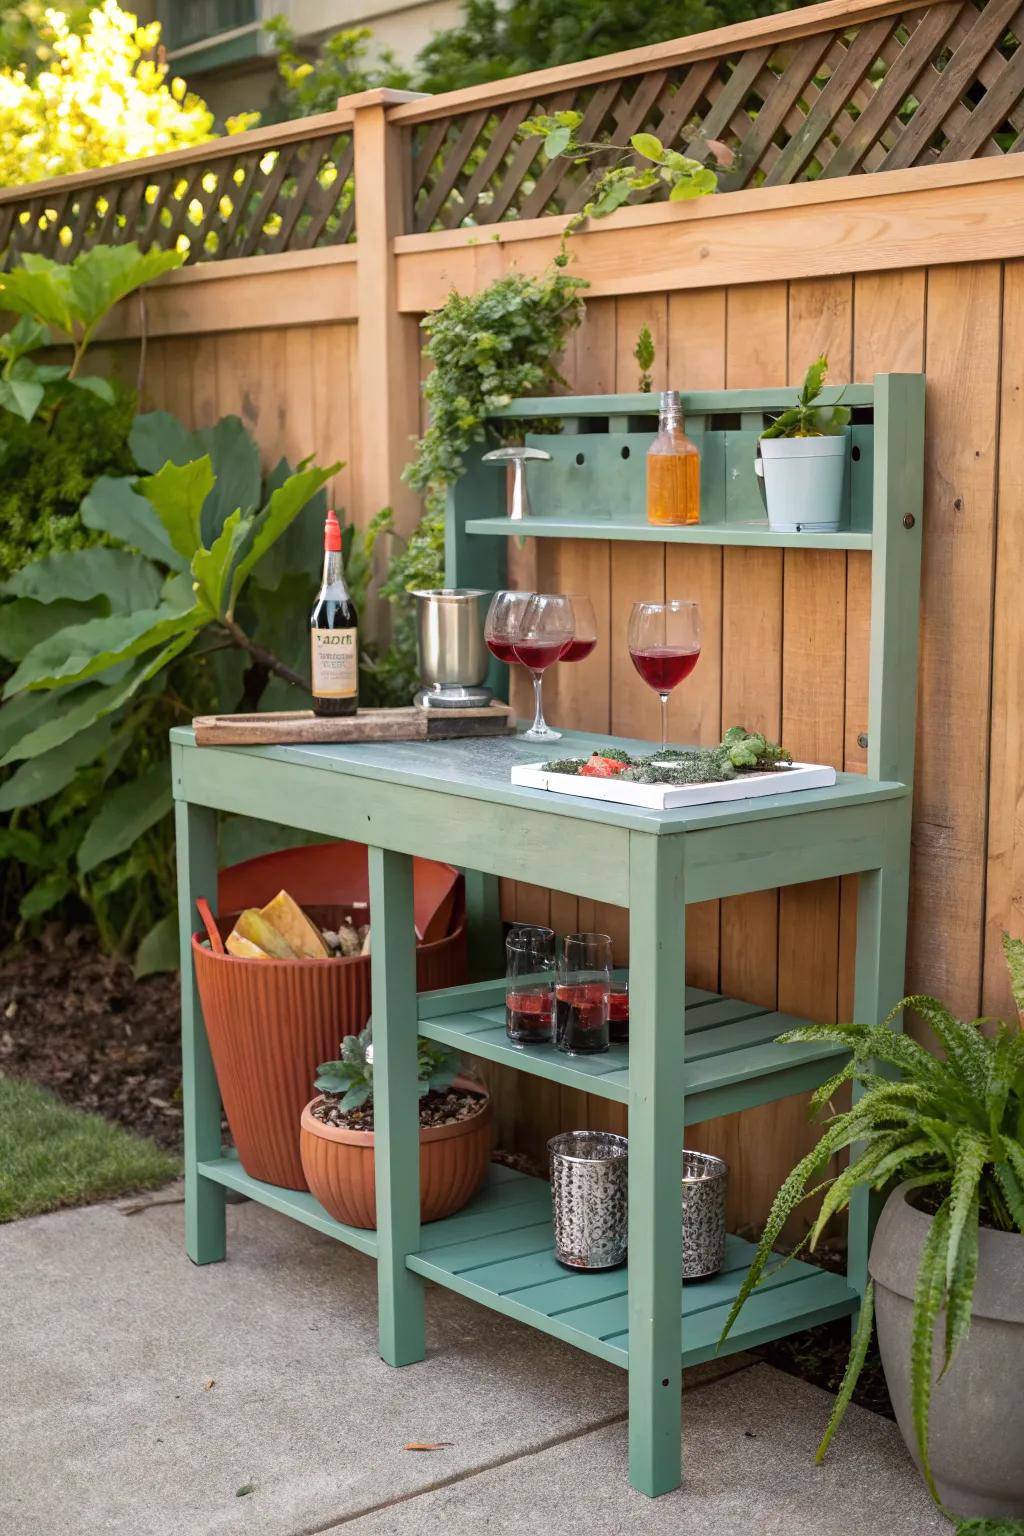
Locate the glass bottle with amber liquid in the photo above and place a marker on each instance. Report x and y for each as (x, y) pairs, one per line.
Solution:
(673, 469)
(334, 634)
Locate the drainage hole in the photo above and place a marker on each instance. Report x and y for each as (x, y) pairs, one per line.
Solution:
(855, 452)
(625, 453)
(579, 458)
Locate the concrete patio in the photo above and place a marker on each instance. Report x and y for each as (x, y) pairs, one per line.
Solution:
(143, 1397)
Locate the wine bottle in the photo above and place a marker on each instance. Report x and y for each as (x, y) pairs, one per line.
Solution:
(334, 634)
(673, 469)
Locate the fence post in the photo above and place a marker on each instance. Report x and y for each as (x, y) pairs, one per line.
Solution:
(388, 342)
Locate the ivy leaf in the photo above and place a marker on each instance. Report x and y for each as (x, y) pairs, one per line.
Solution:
(177, 493)
(648, 145)
(126, 813)
(556, 141)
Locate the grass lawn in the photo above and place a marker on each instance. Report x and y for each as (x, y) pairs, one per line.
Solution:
(52, 1156)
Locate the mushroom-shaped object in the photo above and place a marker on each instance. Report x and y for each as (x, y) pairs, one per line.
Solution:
(518, 458)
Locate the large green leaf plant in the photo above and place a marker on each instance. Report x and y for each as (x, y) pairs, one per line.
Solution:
(950, 1126)
(198, 600)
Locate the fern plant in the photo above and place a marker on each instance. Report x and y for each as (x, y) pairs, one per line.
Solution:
(952, 1128)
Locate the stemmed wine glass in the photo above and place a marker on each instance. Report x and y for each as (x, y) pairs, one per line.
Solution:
(502, 623)
(585, 629)
(545, 629)
(664, 643)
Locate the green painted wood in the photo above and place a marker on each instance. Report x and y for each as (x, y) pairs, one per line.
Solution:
(657, 963)
(483, 919)
(589, 860)
(512, 1270)
(751, 535)
(879, 983)
(479, 491)
(896, 574)
(228, 1172)
(205, 1236)
(862, 477)
(395, 1106)
(720, 401)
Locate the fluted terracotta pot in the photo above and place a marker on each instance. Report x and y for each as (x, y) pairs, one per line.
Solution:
(271, 1023)
(339, 1166)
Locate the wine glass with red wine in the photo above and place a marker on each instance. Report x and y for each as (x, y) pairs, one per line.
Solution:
(664, 643)
(584, 637)
(502, 624)
(545, 629)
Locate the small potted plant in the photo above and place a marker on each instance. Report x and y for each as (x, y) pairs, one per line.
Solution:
(801, 459)
(944, 1134)
(337, 1134)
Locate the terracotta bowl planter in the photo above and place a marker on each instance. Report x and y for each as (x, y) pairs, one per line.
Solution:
(339, 1166)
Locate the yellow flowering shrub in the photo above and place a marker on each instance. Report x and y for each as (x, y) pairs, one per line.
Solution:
(103, 96)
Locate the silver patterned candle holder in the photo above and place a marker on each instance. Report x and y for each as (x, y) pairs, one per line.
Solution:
(589, 1172)
(704, 1184)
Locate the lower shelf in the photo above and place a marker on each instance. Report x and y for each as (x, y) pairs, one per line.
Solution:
(498, 1250)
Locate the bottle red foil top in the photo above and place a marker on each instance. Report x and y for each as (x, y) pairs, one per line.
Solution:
(332, 534)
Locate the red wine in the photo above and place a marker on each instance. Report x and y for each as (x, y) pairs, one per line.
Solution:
(334, 634)
(528, 1017)
(538, 654)
(577, 650)
(581, 1017)
(663, 666)
(618, 1014)
(502, 649)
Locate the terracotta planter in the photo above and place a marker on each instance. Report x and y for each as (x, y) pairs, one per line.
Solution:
(339, 1166)
(271, 1023)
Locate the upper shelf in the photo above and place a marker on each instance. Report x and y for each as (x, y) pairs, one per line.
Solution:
(758, 535)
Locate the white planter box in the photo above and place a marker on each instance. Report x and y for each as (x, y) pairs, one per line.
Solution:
(668, 797)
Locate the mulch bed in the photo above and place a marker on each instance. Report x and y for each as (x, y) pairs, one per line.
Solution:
(77, 1022)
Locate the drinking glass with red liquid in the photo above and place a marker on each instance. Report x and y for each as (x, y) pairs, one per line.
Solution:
(582, 987)
(664, 644)
(545, 630)
(529, 973)
(502, 624)
(584, 638)
(618, 1011)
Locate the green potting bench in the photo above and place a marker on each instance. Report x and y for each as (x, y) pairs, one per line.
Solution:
(691, 1055)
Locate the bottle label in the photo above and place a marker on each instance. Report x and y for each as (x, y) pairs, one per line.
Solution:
(335, 663)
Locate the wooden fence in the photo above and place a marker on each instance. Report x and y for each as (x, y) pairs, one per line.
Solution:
(317, 347)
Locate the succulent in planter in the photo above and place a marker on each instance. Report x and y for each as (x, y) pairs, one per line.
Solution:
(943, 1135)
(337, 1134)
(352, 1077)
(801, 459)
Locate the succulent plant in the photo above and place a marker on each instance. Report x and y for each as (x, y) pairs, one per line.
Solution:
(436, 1069)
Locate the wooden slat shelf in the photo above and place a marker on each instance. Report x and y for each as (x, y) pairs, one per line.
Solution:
(499, 1251)
(296, 1203)
(732, 1058)
(748, 535)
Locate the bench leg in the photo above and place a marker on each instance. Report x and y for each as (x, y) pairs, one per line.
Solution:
(657, 992)
(395, 1106)
(205, 1242)
(879, 983)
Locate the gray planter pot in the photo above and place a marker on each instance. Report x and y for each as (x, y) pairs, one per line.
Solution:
(803, 482)
(976, 1443)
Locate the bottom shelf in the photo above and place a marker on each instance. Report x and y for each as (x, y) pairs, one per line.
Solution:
(498, 1251)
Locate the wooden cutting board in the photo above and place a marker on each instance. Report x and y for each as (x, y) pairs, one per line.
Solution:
(302, 726)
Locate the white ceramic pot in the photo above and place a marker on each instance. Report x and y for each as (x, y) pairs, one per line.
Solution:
(803, 482)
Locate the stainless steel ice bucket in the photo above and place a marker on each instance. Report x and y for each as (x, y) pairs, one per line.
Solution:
(704, 1185)
(450, 636)
(589, 1178)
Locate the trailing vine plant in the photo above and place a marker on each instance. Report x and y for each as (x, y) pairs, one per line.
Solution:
(487, 349)
(636, 167)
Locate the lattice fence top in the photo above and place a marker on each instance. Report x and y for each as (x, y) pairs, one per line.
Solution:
(937, 83)
(219, 201)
